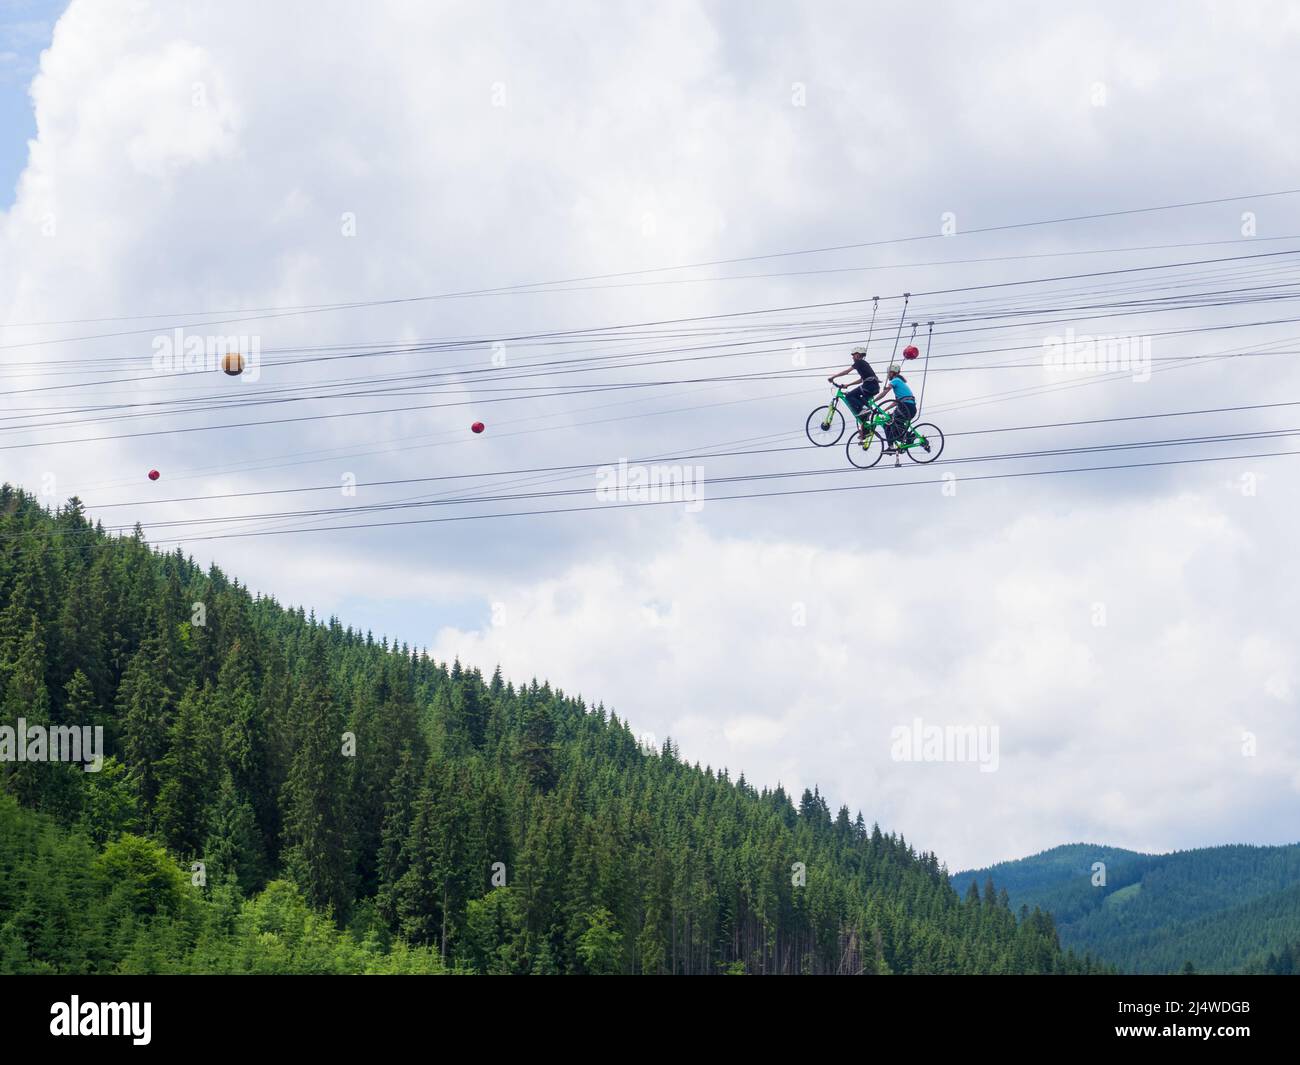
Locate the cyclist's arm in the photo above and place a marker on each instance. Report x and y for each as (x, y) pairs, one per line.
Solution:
(835, 378)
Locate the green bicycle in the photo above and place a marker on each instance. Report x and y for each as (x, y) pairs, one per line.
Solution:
(921, 441)
(825, 427)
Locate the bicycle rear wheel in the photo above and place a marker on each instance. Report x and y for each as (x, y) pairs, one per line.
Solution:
(825, 426)
(864, 453)
(929, 445)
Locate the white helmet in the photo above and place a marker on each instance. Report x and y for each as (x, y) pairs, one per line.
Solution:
(858, 351)
(895, 368)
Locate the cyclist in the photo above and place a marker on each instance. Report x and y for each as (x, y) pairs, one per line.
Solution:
(904, 408)
(868, 387)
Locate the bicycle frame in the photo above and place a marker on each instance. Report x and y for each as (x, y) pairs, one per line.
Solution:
(834, 405)
(873, 419)
(881, 418)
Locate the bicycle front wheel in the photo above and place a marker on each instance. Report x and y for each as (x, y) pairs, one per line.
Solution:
(928, 443)
(825, 426)
(864, 451)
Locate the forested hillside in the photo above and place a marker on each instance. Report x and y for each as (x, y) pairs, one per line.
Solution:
(358, 807)
(1221, 909)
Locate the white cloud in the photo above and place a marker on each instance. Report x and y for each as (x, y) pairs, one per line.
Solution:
(1126, 731)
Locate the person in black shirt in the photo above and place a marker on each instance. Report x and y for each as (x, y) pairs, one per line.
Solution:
(868, 387)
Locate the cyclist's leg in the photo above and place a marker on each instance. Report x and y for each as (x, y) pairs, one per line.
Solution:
(907, 415)
(853, 397)
(895, 427)
(866, 391)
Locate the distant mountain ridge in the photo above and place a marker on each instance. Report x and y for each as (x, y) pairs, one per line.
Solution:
(1223, 909)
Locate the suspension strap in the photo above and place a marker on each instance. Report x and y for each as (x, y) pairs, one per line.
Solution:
(875, 302)
(907, 296)
(926, 369)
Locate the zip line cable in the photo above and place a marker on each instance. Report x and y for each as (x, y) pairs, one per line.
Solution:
(1133, 296)
(587, 333)
(681, 457)
(933, 292)
(757, 495)
(693, 456)
(407, 349)
(577, 390)
(1111, 312)
(382, 507)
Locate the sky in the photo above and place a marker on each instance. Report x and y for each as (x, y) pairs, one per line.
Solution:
(26, 27)
(1126, 632)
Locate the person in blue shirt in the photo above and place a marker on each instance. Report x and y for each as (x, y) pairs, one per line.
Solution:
(868, 386)
(904, 407)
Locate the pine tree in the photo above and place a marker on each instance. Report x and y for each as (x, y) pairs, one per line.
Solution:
(82, 650)
(394, 859)
(233, 847)
(187, 775)
(317, 852)
(145, 706)
(247, 748)
(27, 701)
(536, 750)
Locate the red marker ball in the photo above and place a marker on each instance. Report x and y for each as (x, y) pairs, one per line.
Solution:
(154, 475)
(911, 351)
(477, 427)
